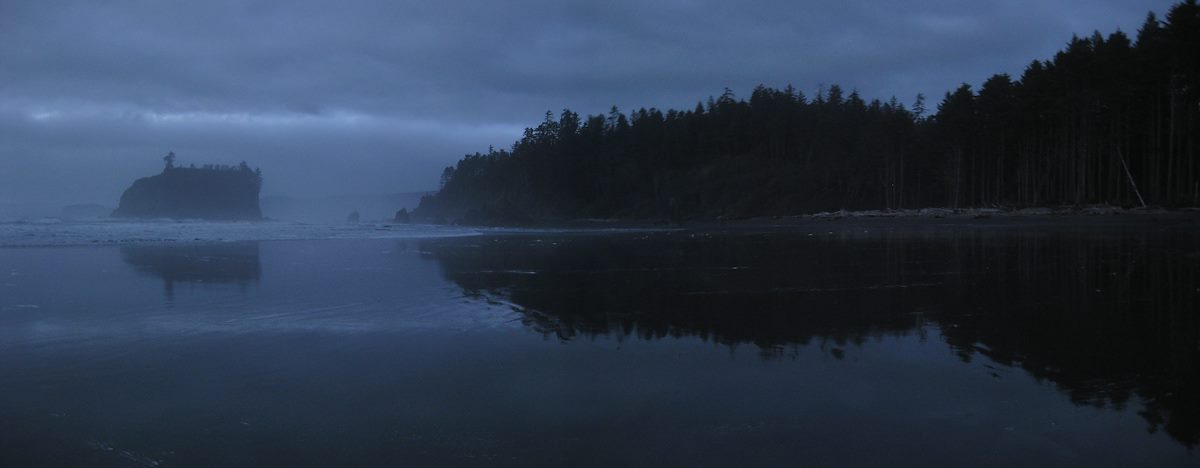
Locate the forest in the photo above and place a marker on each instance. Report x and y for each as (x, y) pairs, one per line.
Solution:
(1107, 120)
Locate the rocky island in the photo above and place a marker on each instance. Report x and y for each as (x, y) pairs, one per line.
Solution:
(216, 192)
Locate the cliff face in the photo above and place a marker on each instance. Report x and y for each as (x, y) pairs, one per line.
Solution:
(224, 193)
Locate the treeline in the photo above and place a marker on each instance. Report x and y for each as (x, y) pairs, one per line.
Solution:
(241, 168)
(1106, 120)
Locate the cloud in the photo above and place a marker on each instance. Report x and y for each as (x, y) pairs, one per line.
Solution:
(377, 96)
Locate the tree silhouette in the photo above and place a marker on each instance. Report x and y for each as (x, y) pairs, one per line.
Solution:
(1105, 120)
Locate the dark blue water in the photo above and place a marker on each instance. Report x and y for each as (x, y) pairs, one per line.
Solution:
(831, 344)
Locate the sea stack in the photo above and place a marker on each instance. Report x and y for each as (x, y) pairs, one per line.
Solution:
(213, 192)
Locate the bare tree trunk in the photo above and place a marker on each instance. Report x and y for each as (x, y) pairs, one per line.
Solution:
(1171, 143)
(1131, 182)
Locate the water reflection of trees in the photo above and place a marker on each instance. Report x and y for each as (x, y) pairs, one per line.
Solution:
(1103, 315)
(232, 263)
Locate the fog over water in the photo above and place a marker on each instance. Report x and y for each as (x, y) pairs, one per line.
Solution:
(375, 97)
(815, 276)
(848, 343)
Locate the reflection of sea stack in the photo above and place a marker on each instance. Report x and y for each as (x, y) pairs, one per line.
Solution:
(207, 192)
(235, 263)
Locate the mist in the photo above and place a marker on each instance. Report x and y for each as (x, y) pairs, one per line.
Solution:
(532, 233)
(375, 98)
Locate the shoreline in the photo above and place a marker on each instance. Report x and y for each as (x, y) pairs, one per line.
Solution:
(119, 232)
(1044, 215)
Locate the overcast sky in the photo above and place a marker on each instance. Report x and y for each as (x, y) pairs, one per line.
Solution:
(362, 97)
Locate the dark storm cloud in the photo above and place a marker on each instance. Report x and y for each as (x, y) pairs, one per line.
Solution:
(354, 96)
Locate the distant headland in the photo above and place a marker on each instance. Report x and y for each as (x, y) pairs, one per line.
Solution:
(216, 192)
